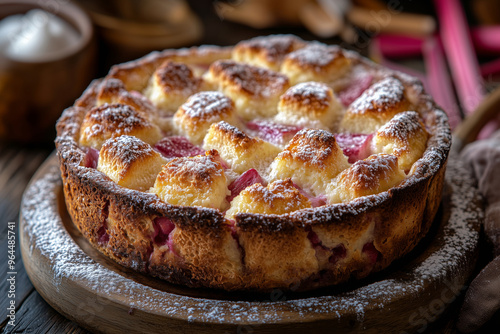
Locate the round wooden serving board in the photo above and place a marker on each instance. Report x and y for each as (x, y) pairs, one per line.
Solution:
(102, 296)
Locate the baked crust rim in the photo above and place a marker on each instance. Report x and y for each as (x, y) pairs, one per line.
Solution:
(423, 186)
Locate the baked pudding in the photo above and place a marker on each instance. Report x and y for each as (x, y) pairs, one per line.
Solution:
(276, 163)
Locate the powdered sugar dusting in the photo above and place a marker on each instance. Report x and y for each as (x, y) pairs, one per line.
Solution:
(177, 146)
(367, 173)
(358, 301)
(46, 234)
(283, 190)
(207, 105)
(358, 84)
(256, 81)
(276, 133)
(355, 146)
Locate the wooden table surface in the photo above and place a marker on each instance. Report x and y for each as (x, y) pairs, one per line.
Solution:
(17, 165)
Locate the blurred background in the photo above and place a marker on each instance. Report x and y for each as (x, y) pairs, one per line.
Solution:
(50, 50)
(433, 40)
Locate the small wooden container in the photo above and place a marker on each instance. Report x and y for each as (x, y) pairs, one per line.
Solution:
(33, 94)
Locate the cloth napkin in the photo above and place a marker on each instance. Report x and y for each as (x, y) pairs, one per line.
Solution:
(482, 299)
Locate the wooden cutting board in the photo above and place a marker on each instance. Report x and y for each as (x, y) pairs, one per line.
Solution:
(104, 297)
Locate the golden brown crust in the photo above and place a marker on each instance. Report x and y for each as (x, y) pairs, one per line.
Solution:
(376, 106)
(130, 162)
(311, 158)
(279, 197)
(196, 181)
(316, 62)
(315, 148)
(113, 120)
(309, 104)
(404, 136)
(373, 175)
(266, 51)
(305, 244)
(253, 89)
(172, 76)
(241, 151)
(297, 260)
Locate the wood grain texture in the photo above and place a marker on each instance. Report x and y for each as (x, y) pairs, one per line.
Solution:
(104, 297)
(467, 131)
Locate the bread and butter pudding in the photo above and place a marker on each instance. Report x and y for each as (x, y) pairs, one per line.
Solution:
(276, 163)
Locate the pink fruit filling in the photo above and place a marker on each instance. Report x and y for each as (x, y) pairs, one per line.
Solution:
(370, 251)
(176, 147)
(315, 200)
(163, 228)
(91, 157)
(355, 146)
(246, 179)
(273, 132)
(103, 236)
(355, 89)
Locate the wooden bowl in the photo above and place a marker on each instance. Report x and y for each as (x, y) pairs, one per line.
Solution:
(104, 297)
(35, 93)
